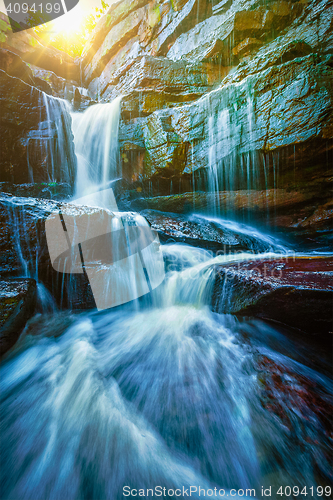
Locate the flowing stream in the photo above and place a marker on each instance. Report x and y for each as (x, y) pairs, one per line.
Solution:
(160, 392)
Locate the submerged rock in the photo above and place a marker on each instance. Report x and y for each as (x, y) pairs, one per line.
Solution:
(17, 304)
(198, 231)
(296, 291)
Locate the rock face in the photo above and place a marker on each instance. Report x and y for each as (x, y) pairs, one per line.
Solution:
(17, 304)
(295, 291)
(33, 242)
(234, 96)
(37, 141)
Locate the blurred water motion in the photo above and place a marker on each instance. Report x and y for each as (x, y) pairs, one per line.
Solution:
(167, 394)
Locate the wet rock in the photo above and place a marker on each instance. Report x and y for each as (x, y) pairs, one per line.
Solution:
(59, 86)
(27, 226)
(198, 231)
(179, 228)
(117, 12)
(37, 143)
(286, 393)
(275, 108)
(23, 248)
(183, 81)
(296, 291)
(307, 214)
(17, 304)
(13, 65)
(148, 28)
(246, 47)
(279, 96)
(220, 34)
(117, 37)
(48, 191)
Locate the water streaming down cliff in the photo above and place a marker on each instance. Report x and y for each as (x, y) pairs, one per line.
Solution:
(233, 161)
(50, 146)
(96, 146)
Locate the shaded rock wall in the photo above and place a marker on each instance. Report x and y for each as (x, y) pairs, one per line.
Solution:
(37, 142)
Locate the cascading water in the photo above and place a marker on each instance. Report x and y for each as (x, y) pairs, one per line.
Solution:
(171, 396)
(96, 146)
(162, 394)
(233, 162)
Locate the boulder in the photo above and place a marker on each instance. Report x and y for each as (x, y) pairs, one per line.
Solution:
(48, 240)
(23, 248)
(17, 304)
(294, 290)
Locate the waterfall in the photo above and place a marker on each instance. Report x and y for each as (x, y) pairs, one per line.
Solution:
(96, 146)
(50, 150)
(234, 164)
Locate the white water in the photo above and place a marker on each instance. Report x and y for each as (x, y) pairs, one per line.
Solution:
(261, 242)
(96, 146)
(169, 395)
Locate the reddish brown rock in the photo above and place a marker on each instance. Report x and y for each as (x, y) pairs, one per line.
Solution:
(246, 47)
(296, 291)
